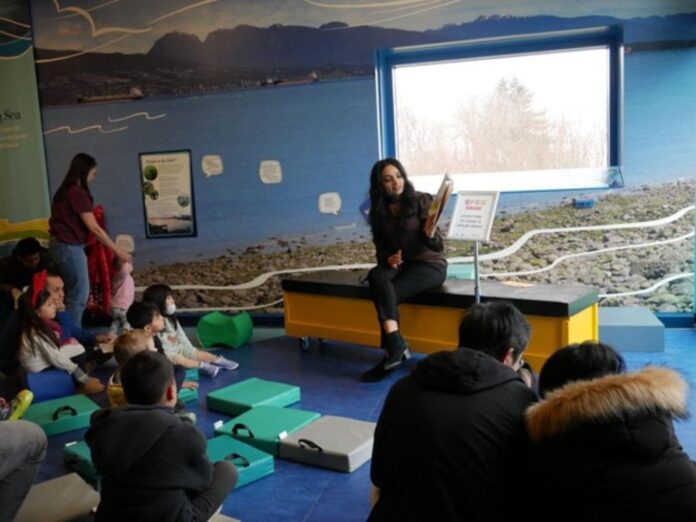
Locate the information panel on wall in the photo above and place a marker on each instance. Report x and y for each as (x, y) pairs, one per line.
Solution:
(167, 189)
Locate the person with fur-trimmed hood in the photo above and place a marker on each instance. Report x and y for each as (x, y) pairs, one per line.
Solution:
(603, 441)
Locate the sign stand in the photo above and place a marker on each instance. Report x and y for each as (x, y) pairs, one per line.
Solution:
(472, 220)
(477, 279)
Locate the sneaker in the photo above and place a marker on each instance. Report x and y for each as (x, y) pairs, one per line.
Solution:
(227, 364)
(208, 369)
(188, 416)
(91, 386)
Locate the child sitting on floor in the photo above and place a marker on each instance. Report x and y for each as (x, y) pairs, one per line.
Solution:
(177, 346)
(145, 319)
(125, 346)
(153, 463)
(39, 345)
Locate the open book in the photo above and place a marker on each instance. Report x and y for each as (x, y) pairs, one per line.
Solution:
(438, 205)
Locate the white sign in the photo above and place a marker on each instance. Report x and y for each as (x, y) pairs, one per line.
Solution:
(212, 165)
(473, 216)
(270, 172)
(330, 203)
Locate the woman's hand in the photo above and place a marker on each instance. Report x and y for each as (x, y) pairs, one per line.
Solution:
(123, 255)
(395, 260)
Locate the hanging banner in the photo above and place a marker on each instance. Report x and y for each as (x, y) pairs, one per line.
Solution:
(24, 195)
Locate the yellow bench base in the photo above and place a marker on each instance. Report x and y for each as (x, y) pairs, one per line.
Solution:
(427, 329)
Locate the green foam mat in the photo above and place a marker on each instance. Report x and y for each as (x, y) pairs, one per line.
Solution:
(78, 457)
(252, 464)
(62, 415)
(264, 426)
(250, 393)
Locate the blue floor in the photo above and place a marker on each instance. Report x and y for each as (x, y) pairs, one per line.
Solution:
(329, 379)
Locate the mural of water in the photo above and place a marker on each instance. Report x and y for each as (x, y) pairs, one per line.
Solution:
(325, 137)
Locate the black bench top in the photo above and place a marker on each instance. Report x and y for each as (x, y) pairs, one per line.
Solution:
(538, 299)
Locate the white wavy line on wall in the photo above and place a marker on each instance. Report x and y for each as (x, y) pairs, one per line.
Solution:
(91, 9)
(80, 53)
(405, 15)
(188, 7)
(651, 289)
(530, 234)
(135, 115)
(394, 3)
(258, 281)
(15, 36)
(93, 26)
(590, 253)
(16, 56)
(91, 49)
(15, 22)
(70, 130)
(231, 308)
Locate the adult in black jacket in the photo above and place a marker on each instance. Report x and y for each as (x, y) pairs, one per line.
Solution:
(153, 463)
(450, 442)
(603, 441)
(408, 261)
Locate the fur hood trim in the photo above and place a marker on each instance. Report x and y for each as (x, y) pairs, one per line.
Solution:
(652, 389)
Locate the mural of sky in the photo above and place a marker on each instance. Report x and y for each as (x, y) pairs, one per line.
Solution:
(133, 26)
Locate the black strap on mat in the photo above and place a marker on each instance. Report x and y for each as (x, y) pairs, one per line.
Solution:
(240, 426)
(64, 409)
(308, 444)
(234, 457)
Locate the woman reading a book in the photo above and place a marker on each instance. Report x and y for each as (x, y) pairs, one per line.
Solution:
(409, 259)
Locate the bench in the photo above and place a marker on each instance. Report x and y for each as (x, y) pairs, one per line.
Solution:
(336, 305)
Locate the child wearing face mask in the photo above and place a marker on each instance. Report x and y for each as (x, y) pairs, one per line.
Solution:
(122, 295)
(176, 345)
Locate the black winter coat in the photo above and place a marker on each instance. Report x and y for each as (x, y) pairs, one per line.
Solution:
(605, 450)
(151, 462)
(450, 443)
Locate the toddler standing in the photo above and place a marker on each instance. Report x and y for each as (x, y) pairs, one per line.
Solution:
(123, 294)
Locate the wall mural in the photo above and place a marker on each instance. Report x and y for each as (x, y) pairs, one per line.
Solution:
(276, 102)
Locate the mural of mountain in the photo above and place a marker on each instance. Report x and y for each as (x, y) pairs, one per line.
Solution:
(247, 56)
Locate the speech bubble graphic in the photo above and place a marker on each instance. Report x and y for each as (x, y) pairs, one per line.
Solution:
(330, 203)
(126, 242)
(270, 172)
(212, 165)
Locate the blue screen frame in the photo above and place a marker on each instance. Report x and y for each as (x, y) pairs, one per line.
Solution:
(610, 36)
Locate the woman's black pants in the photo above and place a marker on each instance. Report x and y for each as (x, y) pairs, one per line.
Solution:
(391, 286)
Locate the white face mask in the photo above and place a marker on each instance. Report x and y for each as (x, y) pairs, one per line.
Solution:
(170, 309)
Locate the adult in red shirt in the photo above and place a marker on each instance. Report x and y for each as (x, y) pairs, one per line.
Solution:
(72, 219)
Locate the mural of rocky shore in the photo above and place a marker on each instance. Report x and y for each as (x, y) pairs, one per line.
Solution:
(613, 260)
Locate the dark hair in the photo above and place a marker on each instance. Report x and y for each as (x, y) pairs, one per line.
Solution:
(145, 377)
(379, 203)
(27, 247)
(30, 324)
(494, 328)
(577, 362)
(157, 294)
(79, 168)
(141, 313)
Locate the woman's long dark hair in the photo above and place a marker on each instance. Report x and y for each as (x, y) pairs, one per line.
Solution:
(80, 166)
(379, 203)
(157, 295)
(30, 324)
